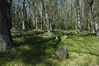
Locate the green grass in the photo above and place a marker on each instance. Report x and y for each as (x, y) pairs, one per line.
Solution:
(38, 49)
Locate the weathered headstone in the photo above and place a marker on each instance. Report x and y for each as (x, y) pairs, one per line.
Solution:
(62, 53)
(56, 38)
(66, 36)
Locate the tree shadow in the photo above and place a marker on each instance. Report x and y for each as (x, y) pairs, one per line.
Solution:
(88, 34)
(37, 50)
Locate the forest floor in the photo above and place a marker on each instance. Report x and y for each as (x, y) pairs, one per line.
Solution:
(36, 48)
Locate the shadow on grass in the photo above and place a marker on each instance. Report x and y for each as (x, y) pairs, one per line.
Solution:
(88, 34)
(33, 50)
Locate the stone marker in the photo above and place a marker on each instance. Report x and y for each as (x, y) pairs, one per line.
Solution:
(66, 36)
(56, 38)
(61, 53)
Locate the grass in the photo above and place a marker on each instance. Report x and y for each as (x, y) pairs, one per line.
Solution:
(38, 49)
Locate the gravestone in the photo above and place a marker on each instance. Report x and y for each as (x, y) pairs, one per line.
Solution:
(62, 53)
(66, 36)
(56, 38)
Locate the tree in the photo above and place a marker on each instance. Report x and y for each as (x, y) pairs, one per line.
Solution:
(5, 24)
(96, 16)
(90, 3)
(25, 16)
(78, 16)
(93, 4)
(86, 15)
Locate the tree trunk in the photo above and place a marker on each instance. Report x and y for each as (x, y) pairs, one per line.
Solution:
(79, 28)
(36, 23)
(5, 34)
(97, 27)
(25, 16)
(96, 16)
(23, 25)
(88, 25)
(96, 23)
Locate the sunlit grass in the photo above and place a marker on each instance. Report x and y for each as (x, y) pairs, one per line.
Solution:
(39, 50)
